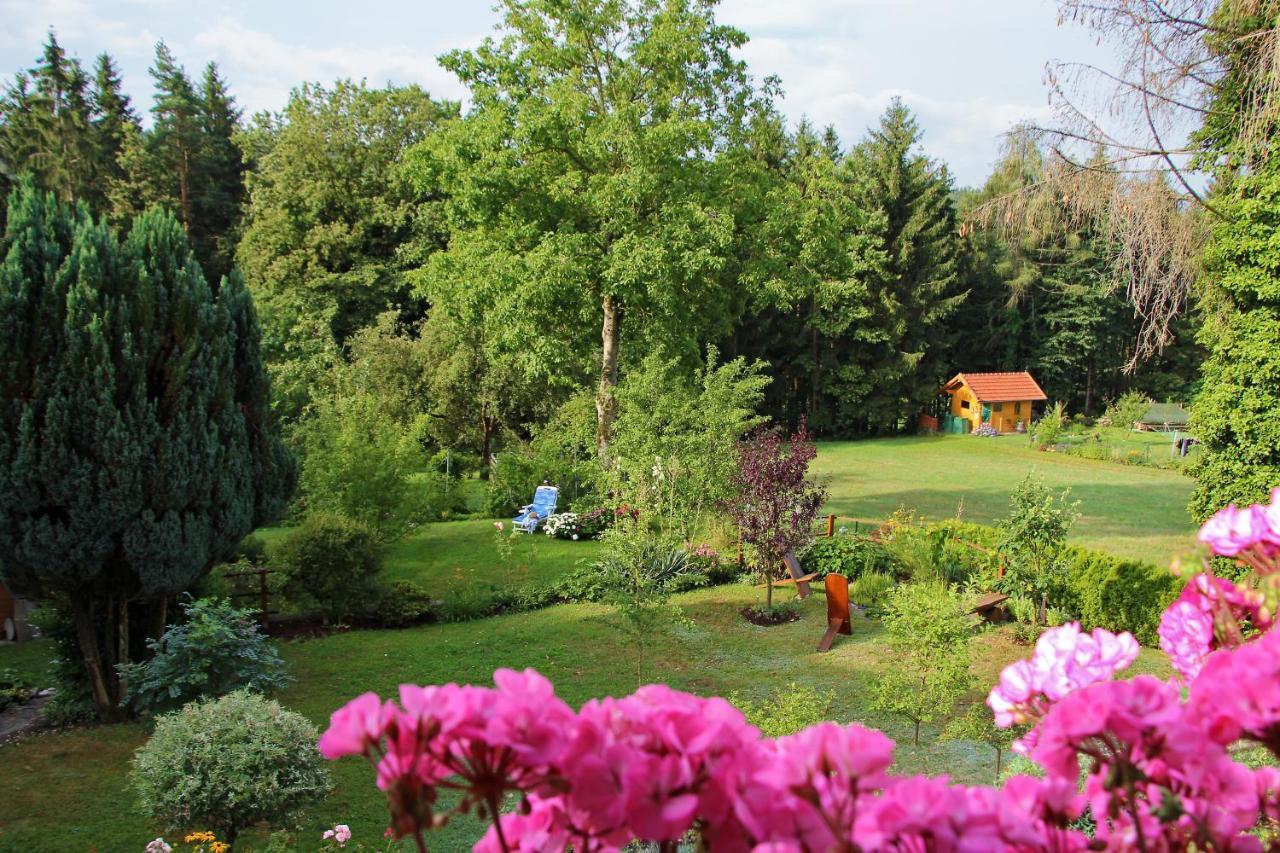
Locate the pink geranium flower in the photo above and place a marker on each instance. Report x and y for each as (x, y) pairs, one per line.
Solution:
(355, 726)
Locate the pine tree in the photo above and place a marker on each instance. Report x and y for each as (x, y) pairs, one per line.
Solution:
(174, 144)
(114, 120)
(219, 176)
(135, 445)
(898, 365)
(46, 118)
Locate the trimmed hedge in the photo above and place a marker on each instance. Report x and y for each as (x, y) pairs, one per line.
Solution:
(1117, 594)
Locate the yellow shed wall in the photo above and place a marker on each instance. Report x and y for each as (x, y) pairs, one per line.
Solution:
(1005, 419)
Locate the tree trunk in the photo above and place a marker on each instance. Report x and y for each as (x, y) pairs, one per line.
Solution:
(184, 193)
(917, 739)
(486, 442)
(159, 618)
(998, 765)
(768, 591)
(606, 399)
(1088, 388)
(122, 644)
(91, 651)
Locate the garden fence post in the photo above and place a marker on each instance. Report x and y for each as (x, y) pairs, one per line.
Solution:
(831, 525)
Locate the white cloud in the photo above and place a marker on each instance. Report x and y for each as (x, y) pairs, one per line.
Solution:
(262, 68)
(969, 70)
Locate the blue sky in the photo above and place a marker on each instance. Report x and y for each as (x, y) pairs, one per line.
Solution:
(968, 69)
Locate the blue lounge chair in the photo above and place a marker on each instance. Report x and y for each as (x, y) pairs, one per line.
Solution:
(531, 515)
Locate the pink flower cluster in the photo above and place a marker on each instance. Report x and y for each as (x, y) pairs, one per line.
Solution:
(1065, 659)
(1212, 612)
(1207, 615)
(1233, 532)
(340, 835)
(660, 763)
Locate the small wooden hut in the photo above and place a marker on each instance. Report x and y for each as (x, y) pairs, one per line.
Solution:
(1003, 400)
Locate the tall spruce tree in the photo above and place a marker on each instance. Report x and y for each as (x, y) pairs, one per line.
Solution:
(175, 141)
(904, 337)
(114, 120)
(136, 445)
(814, 255)
(219, 175)
(46, 118)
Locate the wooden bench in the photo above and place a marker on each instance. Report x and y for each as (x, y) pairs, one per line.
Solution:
(987, 603)
(798, 578)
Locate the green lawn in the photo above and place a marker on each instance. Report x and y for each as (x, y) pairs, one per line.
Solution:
(1130, 511)
(454, 554)
(73, 792)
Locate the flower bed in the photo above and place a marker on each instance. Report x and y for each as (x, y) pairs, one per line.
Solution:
(660, 763)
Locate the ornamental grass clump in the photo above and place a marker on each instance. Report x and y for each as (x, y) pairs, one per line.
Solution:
(228, 764)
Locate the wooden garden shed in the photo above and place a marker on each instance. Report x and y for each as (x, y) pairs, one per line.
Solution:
(1003, 400)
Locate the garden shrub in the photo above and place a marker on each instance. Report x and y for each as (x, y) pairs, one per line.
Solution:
(1118, 594)
(333, 561)
(584, 583)
(675, 435)
(850, 556)
(227, 764)
(71, 702)
(358, 462)
(717, 567)
(871, 592)
(14, 688)
(252, 550)
(787, 711)
(1127, 409)
(947, 551)
(1049, 428)
(214, 650)
(403, 603)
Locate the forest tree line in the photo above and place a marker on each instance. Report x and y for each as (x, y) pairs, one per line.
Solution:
(476, 276)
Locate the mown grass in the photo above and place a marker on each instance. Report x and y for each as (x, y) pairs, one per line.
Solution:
(1127, 510)
(458, 554)
(73, 793)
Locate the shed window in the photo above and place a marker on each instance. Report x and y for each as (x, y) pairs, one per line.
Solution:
(999, 406)
(1017, 408)
(964, 404)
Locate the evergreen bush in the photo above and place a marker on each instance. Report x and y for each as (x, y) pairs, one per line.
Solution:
(214, 650)
(1234, 415)
(229, 763)
(137, 445)
(333, 561)
(1118, 594)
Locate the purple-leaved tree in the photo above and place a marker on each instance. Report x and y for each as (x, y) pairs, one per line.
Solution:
(775, 502)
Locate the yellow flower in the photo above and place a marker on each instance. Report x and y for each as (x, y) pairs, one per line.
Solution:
(219, 847)
(200, 837)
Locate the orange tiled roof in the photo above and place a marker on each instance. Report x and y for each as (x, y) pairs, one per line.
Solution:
(999, 387)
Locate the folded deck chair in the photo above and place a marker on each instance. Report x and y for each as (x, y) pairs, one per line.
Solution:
(531, 515)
